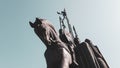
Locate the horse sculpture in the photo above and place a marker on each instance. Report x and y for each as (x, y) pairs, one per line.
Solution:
(65, 50)
(57, 54)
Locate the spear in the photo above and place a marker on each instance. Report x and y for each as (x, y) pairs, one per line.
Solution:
(62, 25)
(64, 14)
(76, 35)
(69, 25)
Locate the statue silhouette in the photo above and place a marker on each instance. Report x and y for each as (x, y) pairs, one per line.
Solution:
(66, 50)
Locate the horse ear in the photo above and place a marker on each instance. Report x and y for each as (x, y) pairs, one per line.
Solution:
(38, 20)
(31, 24)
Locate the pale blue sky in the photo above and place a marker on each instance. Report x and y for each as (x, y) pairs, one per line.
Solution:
(98, 20)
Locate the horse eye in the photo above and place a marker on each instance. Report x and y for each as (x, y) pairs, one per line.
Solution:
(38, 25)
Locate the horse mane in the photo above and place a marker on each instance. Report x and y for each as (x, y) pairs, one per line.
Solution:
(50, 25)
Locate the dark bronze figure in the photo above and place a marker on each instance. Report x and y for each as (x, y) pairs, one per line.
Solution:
(66, 50)
(67, 38)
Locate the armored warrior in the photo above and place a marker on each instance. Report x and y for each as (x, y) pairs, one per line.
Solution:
(67, 37)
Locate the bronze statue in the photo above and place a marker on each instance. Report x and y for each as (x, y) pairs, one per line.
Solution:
(66, 50)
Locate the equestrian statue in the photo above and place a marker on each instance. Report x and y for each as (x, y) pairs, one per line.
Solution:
(65, 50)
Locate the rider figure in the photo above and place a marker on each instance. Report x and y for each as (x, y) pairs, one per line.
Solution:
(66, 37)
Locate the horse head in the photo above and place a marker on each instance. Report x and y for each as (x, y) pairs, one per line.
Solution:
(44, 30)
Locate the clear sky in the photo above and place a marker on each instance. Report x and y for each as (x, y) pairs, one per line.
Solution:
(98, 20)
